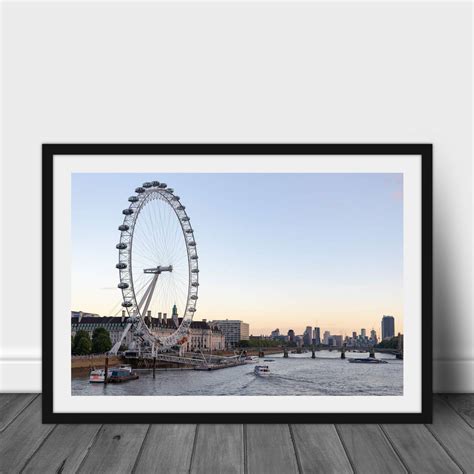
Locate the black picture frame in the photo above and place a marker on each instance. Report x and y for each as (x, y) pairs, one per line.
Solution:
(48, 153)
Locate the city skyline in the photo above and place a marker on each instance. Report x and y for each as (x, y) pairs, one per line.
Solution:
(273, 248)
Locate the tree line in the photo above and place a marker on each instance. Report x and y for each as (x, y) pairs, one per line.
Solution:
(82, 344)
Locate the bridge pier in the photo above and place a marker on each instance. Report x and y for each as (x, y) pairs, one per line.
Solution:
(313, 355)
(285, 353)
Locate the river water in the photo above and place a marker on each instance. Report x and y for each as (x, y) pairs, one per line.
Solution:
(328, 374)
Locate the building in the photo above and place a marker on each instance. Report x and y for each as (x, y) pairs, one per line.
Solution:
(291, 335)
(233, 330)
(334, 340)
(275, 334)
(325, 337)
(363, 333)
(201, 335)
(113, 324)
(308, 336)
(388, 327)
(317, 336)
(373, 337)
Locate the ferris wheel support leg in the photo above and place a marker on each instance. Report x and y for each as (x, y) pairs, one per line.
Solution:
(117, 345)
(150, 291)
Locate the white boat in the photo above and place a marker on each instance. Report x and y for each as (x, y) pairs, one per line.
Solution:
(251, 360)
(261, 370)
(97, 376)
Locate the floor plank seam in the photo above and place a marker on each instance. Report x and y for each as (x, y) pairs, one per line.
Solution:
(444, 448)
(37, 449)
(193, 452)
(394, 449)
(446, 400)
(346, 451)
(140, 450)
(19, 413)
(297, 456)
(244, 436)
(87, 451)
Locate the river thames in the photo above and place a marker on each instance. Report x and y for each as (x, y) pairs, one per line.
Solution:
(328, 374)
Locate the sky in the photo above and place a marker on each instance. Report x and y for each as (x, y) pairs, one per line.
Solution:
(275, 250)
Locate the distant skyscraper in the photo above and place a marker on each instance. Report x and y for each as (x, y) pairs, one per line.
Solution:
(363, 332)
(373, 336)
(308, 336)
(388, 327)
(317, 335)
(354, 335)
(275, 334)
(326, 337)
(174, 315)
(291, 335)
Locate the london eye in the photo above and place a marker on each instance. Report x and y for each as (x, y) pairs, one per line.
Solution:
(157, 265)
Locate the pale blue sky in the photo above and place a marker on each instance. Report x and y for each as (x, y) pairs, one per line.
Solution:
(276, 250)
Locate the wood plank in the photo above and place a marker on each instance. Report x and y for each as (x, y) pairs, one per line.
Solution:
(218, 448)
(11, 405)
(419, 449)
(22, 437)
(369, 450)
(270, 449)
(115, 449)
(453, 433)
(64, 450)
(463, 403)
(319, 449)
(167, 448)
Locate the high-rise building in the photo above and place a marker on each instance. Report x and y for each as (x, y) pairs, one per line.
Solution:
(325, 337)
(388, 327)
(317, 335)
(354, 335)
(234, 331)
(275, 334)
(363, 332)
(291, 335)
(334, 340)
(308, 336)
(373, 336)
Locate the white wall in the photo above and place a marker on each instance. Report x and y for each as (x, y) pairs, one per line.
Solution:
(321, 72)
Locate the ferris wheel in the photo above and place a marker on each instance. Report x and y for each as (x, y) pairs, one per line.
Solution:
(157, 264)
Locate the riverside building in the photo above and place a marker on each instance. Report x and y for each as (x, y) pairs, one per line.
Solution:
(233, 330)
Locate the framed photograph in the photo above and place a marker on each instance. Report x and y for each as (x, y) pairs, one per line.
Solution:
(237, 283)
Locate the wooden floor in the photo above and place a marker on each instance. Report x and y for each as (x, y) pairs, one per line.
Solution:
(446, 446)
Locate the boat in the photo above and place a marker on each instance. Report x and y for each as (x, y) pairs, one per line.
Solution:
(367, 360)
(97, 376)
(251, 360)
(268, 360)
(123, 373)
(261, 370)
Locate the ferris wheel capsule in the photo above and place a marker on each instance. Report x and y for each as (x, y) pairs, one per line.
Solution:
(127, 212)
(123, 227)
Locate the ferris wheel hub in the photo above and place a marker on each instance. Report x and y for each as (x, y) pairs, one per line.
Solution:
(159, 269)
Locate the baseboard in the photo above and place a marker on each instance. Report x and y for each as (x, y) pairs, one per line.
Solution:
(20, 375)
(449, 376)
(453, 376)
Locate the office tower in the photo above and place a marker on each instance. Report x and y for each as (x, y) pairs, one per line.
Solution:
(388, 327)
